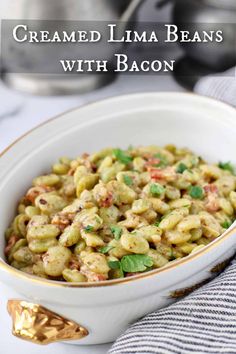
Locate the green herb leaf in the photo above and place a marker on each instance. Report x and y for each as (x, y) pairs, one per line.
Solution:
(172, 257)
(136, 263)
(226, 224)
(163, 161)
(196, 192)
(157, 189)
(157, 223)
(117, 232)
(128, 180)
(105, 249)
(148, 269)
(88, 228)
(114, 264)
(226, 166)
(181, 168)
(122, 156)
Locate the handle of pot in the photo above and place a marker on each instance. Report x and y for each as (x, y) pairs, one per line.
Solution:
(130, 10)
(27, 319)
(127, 15)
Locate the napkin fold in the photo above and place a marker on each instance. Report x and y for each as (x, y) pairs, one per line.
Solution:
(204, 321)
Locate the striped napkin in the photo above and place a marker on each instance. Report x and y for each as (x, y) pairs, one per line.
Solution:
(204, 321)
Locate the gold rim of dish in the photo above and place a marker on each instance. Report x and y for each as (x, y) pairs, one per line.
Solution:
(53, 283)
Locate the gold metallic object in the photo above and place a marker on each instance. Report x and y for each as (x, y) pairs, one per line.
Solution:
(221, 266)
(176, 294)
(36, 324)
(215, 271)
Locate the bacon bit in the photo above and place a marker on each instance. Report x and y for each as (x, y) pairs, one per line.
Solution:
(166, 174)
(147, 155)
(11, 242)
(101, 277)
(211, 188)
(152, 162)
(212, 205)
(108, 201)
(71, 172)
(61, 220)
(91, 275)
(34, 192)
(74, 263)
(156, 173)
(88, 164)
(24, 201)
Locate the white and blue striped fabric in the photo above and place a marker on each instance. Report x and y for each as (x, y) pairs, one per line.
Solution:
(205, 321)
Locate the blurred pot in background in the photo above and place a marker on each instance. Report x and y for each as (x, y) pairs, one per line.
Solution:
(54, 11)
(199, 15)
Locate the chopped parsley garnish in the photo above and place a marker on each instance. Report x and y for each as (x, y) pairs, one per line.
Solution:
(226, 224)
(122, 156)
(88, 228)
(116, 265)
(181, 168)
(136, 263)
(157, 189)
(172, 256)
(128, 180)
(196, 192)
(226, 166)
(117, 231)
(157, 223)
(132, 263)
(105, 249)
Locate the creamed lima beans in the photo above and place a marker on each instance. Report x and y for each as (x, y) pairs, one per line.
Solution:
(116, 213)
